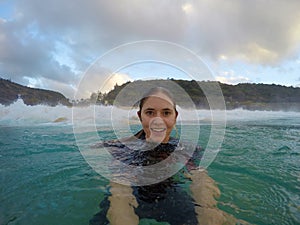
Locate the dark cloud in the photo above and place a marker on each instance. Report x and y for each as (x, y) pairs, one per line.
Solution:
(22, 54)
(258, 31)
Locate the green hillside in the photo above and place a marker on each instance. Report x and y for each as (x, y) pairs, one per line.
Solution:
(10, 92)
(247, 96)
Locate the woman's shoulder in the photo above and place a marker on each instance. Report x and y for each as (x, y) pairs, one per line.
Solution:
(193, 153)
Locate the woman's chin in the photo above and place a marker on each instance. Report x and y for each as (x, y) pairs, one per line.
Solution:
(157, 137)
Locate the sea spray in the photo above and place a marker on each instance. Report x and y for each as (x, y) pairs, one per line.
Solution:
(20, 114)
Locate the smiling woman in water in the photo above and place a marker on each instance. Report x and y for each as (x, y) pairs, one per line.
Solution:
(186, 197)
(158, 115)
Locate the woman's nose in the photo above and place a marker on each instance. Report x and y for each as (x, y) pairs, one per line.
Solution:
(157, 121)
(159, 115)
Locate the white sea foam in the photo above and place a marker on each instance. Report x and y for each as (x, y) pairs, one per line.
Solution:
(19, 114)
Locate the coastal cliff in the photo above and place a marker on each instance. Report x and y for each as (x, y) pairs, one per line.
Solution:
(11, 92)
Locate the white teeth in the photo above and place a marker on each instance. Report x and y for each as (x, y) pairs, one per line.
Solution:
(158, 129)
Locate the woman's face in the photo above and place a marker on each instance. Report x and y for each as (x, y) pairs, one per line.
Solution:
(158, 118)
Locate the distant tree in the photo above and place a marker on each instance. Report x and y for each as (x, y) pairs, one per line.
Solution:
(243, 95)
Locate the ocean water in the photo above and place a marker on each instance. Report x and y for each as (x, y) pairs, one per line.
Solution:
(46, 180)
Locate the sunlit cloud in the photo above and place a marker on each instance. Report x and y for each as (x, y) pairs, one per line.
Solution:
(187, 8)
(229, 77)
(259, 54)
(223, 57)
(101, 81)
(115, 79)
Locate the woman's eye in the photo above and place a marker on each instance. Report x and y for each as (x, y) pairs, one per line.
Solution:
(149, 113)
(167, 113)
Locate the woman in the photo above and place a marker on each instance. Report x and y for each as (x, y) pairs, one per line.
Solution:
(158, 115)
(184, 198)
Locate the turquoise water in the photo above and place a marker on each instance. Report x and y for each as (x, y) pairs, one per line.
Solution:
(258, 171)
(45, 179)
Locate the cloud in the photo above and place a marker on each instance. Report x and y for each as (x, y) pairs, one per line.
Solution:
(229, 77)
(55, 41)
(66, 89)
(23, 54)
(257, 31)
(99, 79)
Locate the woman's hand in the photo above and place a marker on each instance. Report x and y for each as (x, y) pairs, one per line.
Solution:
(122, 204)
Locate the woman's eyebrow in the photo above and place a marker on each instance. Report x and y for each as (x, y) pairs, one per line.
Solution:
(149, 109)
(164, 109)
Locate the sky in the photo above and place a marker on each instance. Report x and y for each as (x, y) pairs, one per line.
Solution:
(53, 44)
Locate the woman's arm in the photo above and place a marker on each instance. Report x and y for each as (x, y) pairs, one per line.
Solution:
(122, 204)
(204, 191)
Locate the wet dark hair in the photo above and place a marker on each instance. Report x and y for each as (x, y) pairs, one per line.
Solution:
(154, 91)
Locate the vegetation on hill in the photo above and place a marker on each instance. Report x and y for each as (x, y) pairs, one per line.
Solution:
(10, 92)
(186, 93)
(246, 95)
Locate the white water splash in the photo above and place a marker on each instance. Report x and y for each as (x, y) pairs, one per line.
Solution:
(19, 114)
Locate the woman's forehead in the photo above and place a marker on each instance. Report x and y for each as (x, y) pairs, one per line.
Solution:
(159, 100)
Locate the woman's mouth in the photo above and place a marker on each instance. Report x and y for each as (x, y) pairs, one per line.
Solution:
(158, 129)
(157, 134)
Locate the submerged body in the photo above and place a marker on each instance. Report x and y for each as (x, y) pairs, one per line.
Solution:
(187, 197)
(166, 201)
